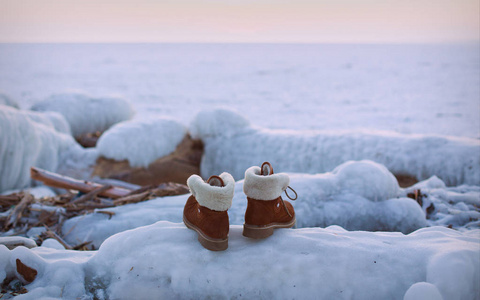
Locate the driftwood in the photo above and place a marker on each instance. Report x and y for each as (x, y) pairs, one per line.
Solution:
(64, 182)
(52, 235)
(16, 213)
(91, 194)
(21, 211)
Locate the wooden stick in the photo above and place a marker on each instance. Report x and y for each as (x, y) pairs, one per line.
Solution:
(17, 212)
(131, 199)
(51, 234)
(64, 182)
(91, 194)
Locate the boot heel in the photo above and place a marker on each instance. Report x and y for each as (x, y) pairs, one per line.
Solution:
(213, 245)
(255, 232)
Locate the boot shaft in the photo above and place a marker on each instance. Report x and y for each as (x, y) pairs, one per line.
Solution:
(263, 213)
(214, 224)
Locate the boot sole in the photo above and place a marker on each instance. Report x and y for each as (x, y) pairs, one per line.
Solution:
(261, 232)
(207, 242)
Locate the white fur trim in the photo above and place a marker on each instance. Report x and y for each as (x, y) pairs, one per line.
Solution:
(213, 197)
(261, 187)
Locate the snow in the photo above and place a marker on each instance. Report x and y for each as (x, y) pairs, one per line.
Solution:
(454, 160)
(87, 114)
(6, 100)
(141, 142)
(424, 291)
(218, 122)
(5, 268)
(51, 119)
(454, 206)
(165, 260)
(324, 200)
(370, 180)
(24, 142)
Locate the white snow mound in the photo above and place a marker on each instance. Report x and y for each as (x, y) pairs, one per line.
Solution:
(423, 291)
(141, 141)
(165, 261)
(368, 179)
(454, 160)
(218, 122)
(87, 114)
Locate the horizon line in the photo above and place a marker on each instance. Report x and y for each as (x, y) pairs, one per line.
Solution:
(470, 42)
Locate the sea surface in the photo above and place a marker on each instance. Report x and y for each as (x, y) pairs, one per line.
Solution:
(412, 89)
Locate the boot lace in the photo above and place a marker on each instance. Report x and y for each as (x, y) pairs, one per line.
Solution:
(288, 196)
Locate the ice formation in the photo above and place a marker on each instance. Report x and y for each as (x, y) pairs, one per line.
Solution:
(27, 140)
(165, 260)
(51, 119)
(454, 160)
(141, 141)
(87, 114)
(6, 100)
(324, 199)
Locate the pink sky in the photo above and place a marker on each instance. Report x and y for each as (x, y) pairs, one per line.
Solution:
(306, 21)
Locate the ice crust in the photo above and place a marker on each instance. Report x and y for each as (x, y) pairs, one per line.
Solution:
(7, 101)
(454, 160)
(165, 260)
(30, 139)
(324, 199)
(87, 114)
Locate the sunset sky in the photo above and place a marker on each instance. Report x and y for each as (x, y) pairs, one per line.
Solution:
(304, 21)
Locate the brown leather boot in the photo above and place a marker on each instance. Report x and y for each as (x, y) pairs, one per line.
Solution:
(266, 210)
(206, 209)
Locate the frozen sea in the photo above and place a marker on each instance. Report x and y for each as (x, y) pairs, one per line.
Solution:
(426, 89)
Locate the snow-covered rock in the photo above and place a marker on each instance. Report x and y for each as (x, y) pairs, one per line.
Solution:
(323, 200)
(141, 141)
(165, 260)
(454, 160)
(87, 114)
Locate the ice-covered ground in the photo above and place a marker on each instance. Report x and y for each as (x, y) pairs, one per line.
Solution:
(164, 260)
(411, 108)
(356, 195)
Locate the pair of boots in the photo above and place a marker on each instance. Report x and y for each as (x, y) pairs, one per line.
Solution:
(206, 209)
